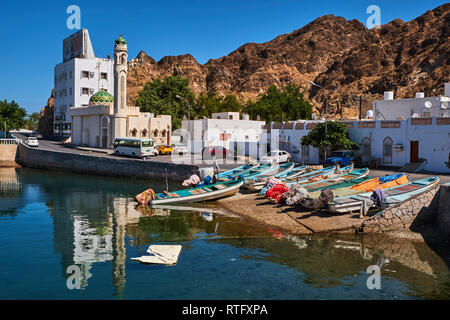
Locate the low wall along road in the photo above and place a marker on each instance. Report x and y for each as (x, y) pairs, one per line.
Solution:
(99, 165)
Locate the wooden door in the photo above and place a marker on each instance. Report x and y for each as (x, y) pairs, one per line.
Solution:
(414, 156)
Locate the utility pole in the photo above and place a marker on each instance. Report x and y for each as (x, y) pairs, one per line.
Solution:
(326, 113)
(360, 107)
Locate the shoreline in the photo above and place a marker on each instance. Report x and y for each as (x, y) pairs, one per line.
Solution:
(291, 220)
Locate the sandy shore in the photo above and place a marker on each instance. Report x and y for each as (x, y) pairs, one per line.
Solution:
(298, 222)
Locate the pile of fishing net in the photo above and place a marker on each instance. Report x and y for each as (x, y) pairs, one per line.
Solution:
(299, 196)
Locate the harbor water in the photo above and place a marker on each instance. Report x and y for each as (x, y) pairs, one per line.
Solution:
(68, 236)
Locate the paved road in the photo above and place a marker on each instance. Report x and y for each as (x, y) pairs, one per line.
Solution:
(59, 146)
(223, 164)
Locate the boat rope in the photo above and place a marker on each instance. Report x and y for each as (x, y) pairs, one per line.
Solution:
(296, 220)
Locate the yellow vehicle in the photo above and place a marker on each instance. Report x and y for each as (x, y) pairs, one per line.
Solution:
(164, 149)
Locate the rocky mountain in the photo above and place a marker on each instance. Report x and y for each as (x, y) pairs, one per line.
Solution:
(45, 124)
(345, 57)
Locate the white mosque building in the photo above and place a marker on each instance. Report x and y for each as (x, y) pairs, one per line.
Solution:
(108, 117)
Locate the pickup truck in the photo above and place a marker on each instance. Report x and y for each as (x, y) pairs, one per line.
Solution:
(342, 157)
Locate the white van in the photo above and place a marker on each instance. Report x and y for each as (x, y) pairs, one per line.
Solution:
(135, 147)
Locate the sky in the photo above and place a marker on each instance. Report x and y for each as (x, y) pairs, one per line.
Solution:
(33, 31)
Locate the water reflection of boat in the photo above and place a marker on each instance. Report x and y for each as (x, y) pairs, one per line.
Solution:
(203, 209)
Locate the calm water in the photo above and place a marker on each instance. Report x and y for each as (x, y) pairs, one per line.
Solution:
(51, 222)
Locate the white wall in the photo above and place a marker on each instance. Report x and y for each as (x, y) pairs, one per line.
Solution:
(73, 82)
(404, 108)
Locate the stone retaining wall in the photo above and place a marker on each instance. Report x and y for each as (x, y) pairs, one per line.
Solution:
(443, 216)
(420, 209)
(8, 155)
(100, 165)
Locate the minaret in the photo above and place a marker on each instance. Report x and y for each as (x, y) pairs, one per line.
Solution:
(120, 87)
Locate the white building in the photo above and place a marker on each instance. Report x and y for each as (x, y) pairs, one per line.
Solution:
(394, 143)
(420, 106)
(77, 78)
(224, 130)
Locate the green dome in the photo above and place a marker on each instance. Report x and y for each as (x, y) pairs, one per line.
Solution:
(101, 97)
(121, 40)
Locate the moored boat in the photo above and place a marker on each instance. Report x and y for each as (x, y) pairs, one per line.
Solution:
(199, 194)
(340, 178)
(256, 182)
(240, 174)
(393, 195)
(365, 184)
(238, 170)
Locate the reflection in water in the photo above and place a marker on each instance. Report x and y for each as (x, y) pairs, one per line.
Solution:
(97, 223)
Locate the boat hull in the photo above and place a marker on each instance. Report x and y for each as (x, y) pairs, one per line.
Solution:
(356, 205)
(213, 195)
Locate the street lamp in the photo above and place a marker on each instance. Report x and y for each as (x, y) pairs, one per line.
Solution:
(189, 106)
(326, 112)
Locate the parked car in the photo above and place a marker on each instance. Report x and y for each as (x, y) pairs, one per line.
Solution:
(37, 135)
(215, 152)
(341, 157)
(32, 142)
(276, 156)
(180, 149)
(164, 149)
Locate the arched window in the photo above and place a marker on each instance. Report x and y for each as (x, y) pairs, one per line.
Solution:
(155, 133)
(134, 133)
(123, 59)
(163, 133)
(144, 133)
(387, 150)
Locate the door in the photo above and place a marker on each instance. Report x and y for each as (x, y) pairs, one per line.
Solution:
(414, 152)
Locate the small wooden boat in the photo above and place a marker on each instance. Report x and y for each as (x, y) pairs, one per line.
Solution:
(244, 173)
(302, 177)
(199, 194)
(256, 184)
(365, 184)
(325, 175)
(261, 178)
(384, 182)
(237, 171)
(393, 195)
(343, 177)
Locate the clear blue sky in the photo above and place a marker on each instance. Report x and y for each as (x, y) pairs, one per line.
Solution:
(32, 31)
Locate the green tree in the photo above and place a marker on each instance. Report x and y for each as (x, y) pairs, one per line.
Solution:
(281, 104)
(209, 103)
(31, 122)
(336, 139)
(11, 114)
(160, 97)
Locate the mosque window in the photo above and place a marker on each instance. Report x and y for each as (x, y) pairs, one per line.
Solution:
(104, 76)
(84, 91)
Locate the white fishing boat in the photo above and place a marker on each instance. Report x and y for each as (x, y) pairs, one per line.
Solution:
(393, 195)
(199, 194)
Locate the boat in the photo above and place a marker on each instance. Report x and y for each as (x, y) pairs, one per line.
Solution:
(343, 177)
(393, 195)
(198, 194)
(256, 184)
(262, 177)
(238, 170)
(364, 184)
(240, 174)
(384, 182)
(321, 176)
(302, 177)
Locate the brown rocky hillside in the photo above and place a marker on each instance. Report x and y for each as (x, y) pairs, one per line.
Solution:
(343, 56)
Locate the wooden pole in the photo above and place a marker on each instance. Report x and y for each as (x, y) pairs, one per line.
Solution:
(167, 182)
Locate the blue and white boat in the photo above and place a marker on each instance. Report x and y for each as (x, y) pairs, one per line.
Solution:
(393, 195)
